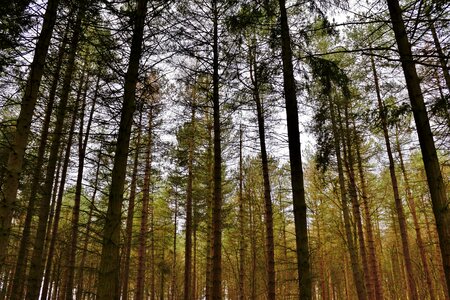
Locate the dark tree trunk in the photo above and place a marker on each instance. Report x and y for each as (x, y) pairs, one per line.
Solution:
(265, 171)
(53, 234)
(190, 179)
(435, 180)
(19, 276)
(130, 214)
(80, 287)
(108, 287)
(82, 146)
(242, 245)
(37, 261)
(173, 288)
(412, 208)
(8, 196)
(140, 280)
(209, 229)
(298, 188)
(216, 288)
(412, 290)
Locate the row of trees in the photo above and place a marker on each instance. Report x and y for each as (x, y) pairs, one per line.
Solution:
(151, 149)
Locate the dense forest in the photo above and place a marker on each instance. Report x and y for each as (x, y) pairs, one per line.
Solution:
(230, 149)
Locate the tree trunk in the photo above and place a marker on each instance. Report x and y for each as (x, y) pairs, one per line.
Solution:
(373, 261)
(37, 261)
(437, 45)
(140, 280)
(298, 189)
(55, 225)
(8, 197)
(173, 288)
(435, 180)
(412, 208)
(20, 276)
(350, 164)
(80, 287)
(108, 287)
(130, 214)
(82, 146)
(412, 290)
(216, 276)
(265, 171)
(242, 244)
(356, 269)
(190, 179)
(209, 228)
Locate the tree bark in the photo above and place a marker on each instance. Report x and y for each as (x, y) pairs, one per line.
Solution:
(108, 287)
(298, 189)
(8, 196)
(435, 180)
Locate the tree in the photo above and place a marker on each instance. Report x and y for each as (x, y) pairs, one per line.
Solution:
(298, 189)
(435, 180)
(16, 156)
(108, 281)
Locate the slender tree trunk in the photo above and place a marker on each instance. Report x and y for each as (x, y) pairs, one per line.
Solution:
(435, 180)
(190, 179)
(216, 276)
(194, 267)
(34, 278)
(242, 244)
(412, 290)
(356, 269)
(57, 216)
(442, 56)
(53, 234)
(298, 189)
(8, 196)
(152, 250)
(80, 288)
(412, 208)
(265, 171)
(19, 276)
(173, 293)
(209, 229)
(253, 249)
(350, 164)
(373, 261)
(130, 214)
(108, 287)
(140, 280)
(82, 146)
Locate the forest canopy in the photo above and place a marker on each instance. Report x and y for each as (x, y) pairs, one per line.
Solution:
(224, 149)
